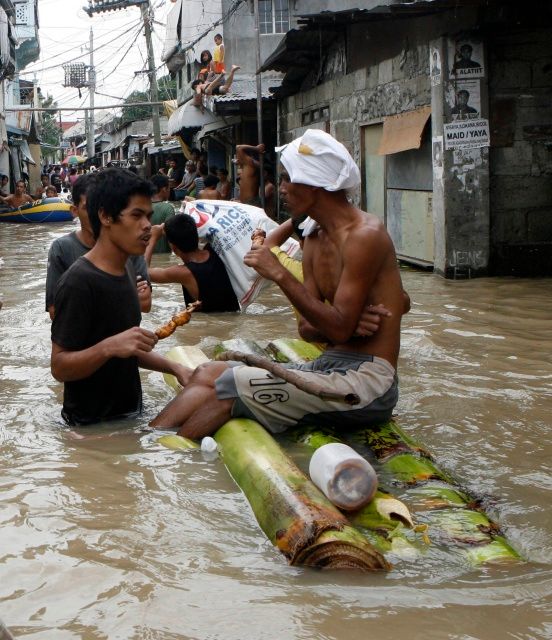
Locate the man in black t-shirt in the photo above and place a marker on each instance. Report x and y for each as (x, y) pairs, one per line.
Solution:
(56, 180)
(66, 249)
(175, 175)
(97, 342)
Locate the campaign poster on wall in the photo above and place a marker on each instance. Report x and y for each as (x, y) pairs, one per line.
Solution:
(466, 59)
(464, 99)
(435, 66)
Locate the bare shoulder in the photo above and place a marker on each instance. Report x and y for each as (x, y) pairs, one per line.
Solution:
(367, 228)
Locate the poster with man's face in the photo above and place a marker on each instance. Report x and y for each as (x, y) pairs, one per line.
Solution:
(464, 99)
(466, 59)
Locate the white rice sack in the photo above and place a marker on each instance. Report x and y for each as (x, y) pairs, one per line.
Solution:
(228, 226)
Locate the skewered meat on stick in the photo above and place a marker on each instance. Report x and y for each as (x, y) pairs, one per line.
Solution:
(178, 320)
(258, 237)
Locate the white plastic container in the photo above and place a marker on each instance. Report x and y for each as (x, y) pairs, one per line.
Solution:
(209, 448)
(343, 476)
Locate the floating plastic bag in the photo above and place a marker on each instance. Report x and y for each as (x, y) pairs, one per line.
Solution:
(228, 226)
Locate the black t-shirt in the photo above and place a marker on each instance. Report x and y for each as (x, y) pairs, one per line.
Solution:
(177, 175)
(215, 291)
(56, 181)
(92, 305)
(66, 250)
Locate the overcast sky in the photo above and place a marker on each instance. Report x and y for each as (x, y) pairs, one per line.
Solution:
(119, 44)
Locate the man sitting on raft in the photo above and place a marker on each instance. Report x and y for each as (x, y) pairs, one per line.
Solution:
(349, 261)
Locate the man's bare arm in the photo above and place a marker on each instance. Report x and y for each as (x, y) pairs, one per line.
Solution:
(156, 362)
(337, 322)
(157, 231)
(279, 235)
(245, 158)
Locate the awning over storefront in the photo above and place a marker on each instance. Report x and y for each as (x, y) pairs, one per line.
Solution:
(84, 143)
(403, 131)
(219, 126)
(26, 152)
(189, 117)
(167, 146)
(118, 140)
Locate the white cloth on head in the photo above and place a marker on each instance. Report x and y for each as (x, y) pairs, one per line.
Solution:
(319, 160)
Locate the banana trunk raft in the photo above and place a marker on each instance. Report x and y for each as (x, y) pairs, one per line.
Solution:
(446, 514)
(294, 515)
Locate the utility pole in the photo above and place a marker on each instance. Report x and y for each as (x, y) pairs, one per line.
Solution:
(90, 136)
(154, 94)
(101, 6)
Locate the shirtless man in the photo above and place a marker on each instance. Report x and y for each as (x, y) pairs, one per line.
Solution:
(209, 192)
(18, 198)
(349, 261)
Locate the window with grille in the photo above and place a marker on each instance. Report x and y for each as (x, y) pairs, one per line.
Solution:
(273, 16)
(22, 13)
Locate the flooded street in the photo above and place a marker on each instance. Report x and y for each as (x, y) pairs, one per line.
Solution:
(116, 537)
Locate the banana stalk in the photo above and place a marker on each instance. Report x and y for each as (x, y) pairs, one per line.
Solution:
(297, 518)
(452, 516)
(292, 350)
(384, 520)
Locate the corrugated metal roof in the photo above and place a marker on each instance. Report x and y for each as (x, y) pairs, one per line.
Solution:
(243, 90)
(384, 10)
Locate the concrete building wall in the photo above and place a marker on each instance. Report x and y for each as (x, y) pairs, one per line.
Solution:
(491, 205)
(521, 153)
(240, 41)
(387, 72)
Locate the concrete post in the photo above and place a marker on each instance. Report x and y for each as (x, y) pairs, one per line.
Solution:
(460, 172)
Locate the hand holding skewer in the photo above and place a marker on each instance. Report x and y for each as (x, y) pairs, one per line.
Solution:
(258, 237)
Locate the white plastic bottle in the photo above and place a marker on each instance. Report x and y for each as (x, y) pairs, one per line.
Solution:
(343, 476)
(209, 448)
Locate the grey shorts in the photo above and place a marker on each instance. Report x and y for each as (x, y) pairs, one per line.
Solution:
(277, 404)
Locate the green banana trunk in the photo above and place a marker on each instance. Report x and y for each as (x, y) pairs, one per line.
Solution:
(294, 515)
(292, 350)
(452, 516)
(384, 520)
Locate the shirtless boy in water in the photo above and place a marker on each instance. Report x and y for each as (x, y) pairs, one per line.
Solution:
(348, 260)
(19, 198)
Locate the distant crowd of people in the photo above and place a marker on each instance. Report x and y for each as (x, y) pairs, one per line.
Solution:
(199, 180)
(55, 180)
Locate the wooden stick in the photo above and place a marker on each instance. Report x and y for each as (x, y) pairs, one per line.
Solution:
(289, 375)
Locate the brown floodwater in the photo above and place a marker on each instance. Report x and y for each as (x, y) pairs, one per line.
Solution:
(113, 536)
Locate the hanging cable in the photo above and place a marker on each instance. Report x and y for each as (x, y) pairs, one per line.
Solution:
(102, 46)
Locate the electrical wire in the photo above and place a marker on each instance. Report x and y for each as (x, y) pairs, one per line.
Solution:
(116, 67)
(86, 53)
